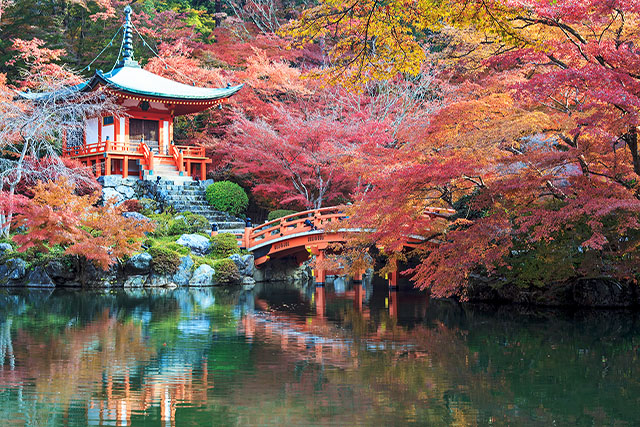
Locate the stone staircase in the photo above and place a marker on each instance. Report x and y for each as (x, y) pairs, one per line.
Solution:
(188, 195)
(167, 172)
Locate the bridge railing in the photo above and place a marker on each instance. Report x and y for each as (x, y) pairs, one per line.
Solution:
(300, 222)
(306, 222)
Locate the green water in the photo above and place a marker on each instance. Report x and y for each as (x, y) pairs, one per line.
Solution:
(286, 355)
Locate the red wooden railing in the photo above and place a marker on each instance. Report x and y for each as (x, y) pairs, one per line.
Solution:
(297, 223)
(100, 148)
(190, 151)
(178, 157)
(147, 155)
(292, 224)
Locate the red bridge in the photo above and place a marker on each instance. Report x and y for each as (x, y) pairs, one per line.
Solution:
(309, 233)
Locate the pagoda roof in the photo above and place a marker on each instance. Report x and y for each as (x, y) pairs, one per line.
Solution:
(132, 80)
(137, 81)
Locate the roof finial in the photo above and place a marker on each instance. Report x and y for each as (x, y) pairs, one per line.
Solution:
(127, 55)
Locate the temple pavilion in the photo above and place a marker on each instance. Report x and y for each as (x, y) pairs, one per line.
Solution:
(140, 143)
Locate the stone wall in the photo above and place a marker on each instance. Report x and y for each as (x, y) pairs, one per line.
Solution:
(137, 272)
(121, 189)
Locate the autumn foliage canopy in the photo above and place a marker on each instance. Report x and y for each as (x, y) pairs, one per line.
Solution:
(521, 115)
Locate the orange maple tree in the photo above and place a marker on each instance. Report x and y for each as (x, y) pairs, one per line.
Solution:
(57, 216)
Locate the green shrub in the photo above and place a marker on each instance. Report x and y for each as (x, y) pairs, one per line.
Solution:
(163, 222)
(179, 249)
(197, 223)
(228, 197)
(223, 245)
(188, 223)
(165, 261)
(279, 214)
(148, 206)
(226, 271)
(177, 227)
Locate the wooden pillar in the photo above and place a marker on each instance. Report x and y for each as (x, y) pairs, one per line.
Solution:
(116, 129)
(320, 273)
(98, 168)
(125, 167)
(203, 171)
(393, 279)
(107, 166)
(393, 302)
(392, 276)
(359, 296)
(189, 168)
(320, 301)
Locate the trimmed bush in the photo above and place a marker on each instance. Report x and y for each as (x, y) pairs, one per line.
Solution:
(279, 214)
(188, 223)
(164, 261)
(132, 205)
(163, 223)
(226, 271)
(228, 197)
(178, 227)
(223, 245)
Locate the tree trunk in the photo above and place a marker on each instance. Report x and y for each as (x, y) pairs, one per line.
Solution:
(218, 4)
(631, 139)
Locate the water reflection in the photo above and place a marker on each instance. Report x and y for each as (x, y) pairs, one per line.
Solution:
(347, 353)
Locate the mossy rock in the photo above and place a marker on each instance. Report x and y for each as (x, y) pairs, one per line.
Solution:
(226, 272)
(165, 261)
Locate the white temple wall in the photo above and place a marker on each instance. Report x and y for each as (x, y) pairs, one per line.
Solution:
(107, 131)
(165, 136)
(91, 130)
(122, 129)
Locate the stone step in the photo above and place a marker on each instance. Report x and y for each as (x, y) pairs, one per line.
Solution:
(230, 225)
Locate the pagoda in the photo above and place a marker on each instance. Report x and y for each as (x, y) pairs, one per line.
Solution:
(139, 141)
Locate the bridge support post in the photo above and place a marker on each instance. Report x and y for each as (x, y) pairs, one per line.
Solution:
(320, 301)
(320, 274)
(358, 287)
(393, 302)
(392, 276)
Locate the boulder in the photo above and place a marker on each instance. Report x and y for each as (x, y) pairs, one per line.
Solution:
(126, 191)
(38, 278)
(159, 280)
(139, 264)
(4, 248)
(57, 271)
(135, 281)
(203, 276)
(135, 215)
(245, 264)
(110, 180)
(183, 275)
(111, 194)
(603, 293)
(198, 244)
(13, 269)
(95, 277)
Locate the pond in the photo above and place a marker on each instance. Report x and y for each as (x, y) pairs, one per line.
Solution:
(295, 355)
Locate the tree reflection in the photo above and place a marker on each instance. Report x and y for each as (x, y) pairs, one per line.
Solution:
(210, 356)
